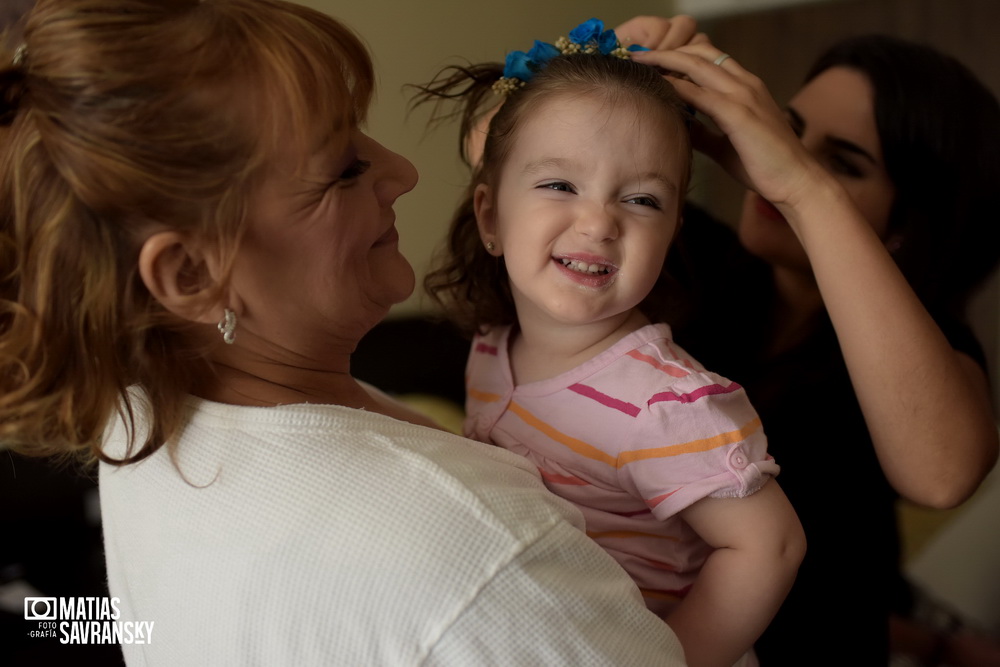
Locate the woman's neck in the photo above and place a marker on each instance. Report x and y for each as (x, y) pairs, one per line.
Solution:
(539, 351)
(275, 384)
(260, 373)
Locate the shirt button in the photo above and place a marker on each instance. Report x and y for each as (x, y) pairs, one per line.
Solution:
(738, 458)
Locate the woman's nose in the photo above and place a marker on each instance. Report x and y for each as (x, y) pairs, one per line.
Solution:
(398, 176)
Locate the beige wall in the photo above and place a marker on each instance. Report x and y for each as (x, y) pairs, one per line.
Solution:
(410, 41)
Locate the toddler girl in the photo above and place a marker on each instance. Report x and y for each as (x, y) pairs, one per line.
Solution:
(555, 261)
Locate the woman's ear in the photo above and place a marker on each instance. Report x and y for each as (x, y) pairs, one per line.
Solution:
(181, 276)
(485, 209)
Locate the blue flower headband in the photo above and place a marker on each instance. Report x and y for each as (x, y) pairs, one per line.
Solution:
(588, 37)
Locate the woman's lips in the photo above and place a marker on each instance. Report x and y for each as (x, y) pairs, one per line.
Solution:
(390, 236)
(767, 210)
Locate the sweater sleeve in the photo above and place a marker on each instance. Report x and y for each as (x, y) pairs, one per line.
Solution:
(560, 601)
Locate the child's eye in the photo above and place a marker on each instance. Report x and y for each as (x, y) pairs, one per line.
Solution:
(354, 170)
(643, 200)
(559, 186)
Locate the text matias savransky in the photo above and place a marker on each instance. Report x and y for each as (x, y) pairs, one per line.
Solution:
(84, 620)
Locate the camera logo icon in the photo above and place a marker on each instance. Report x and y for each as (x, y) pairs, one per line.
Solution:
(40, 609)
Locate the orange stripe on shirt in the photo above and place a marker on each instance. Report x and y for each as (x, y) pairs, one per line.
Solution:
(582, 448)
(670, 348)
(703, 445)
(666, 368)
(588, 451)
(482, 396)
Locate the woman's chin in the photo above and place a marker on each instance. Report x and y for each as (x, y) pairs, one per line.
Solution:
(764, 233)
(401, 281)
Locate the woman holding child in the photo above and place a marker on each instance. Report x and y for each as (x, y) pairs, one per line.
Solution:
(184, 281)
(196, 233)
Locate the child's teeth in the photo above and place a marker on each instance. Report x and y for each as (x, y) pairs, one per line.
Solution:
(583, 267)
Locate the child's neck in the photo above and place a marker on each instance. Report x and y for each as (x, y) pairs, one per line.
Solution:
(540, 351)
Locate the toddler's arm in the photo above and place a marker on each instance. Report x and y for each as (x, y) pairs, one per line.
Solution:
(758, 544)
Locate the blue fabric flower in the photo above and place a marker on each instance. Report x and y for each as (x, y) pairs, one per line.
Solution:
(588, 37)
(521, 65)
(586, 32)
(607, 42)
(516, 66)
(541, 53)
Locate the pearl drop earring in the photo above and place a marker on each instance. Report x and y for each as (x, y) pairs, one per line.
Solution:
(227, 326)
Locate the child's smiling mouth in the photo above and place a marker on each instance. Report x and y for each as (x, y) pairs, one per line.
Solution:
(585, 267)
(587, 270)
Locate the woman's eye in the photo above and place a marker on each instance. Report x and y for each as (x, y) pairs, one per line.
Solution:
(354, 170)
(840, 165)
(643, 200)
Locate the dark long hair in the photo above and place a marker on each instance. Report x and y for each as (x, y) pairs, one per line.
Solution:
(940, 133)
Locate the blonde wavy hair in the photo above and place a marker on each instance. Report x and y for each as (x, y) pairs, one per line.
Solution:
(121, 118)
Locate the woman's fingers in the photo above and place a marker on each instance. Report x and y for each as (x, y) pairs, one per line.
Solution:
(720, 86)
(760, 148)
(700, 38)
(701, 62)
(659, 33)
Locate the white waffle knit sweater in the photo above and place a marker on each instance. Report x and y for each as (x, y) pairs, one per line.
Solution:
(322, 535)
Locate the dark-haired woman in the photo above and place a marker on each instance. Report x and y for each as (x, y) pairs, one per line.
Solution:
(850, 338)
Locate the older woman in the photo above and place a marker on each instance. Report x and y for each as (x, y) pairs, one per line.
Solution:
(195, 236)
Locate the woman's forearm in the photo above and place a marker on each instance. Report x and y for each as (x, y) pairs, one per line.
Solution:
(926, 406)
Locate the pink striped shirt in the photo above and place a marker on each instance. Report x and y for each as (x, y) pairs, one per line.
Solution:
(632, 437)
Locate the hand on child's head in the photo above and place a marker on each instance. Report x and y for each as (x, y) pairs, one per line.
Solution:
(660, 33)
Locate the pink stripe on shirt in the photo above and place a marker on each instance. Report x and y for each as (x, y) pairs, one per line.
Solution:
(604, 399)
(707, 390)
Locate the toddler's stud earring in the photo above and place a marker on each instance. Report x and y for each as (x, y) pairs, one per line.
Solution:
(490, 246)
(227, 326)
